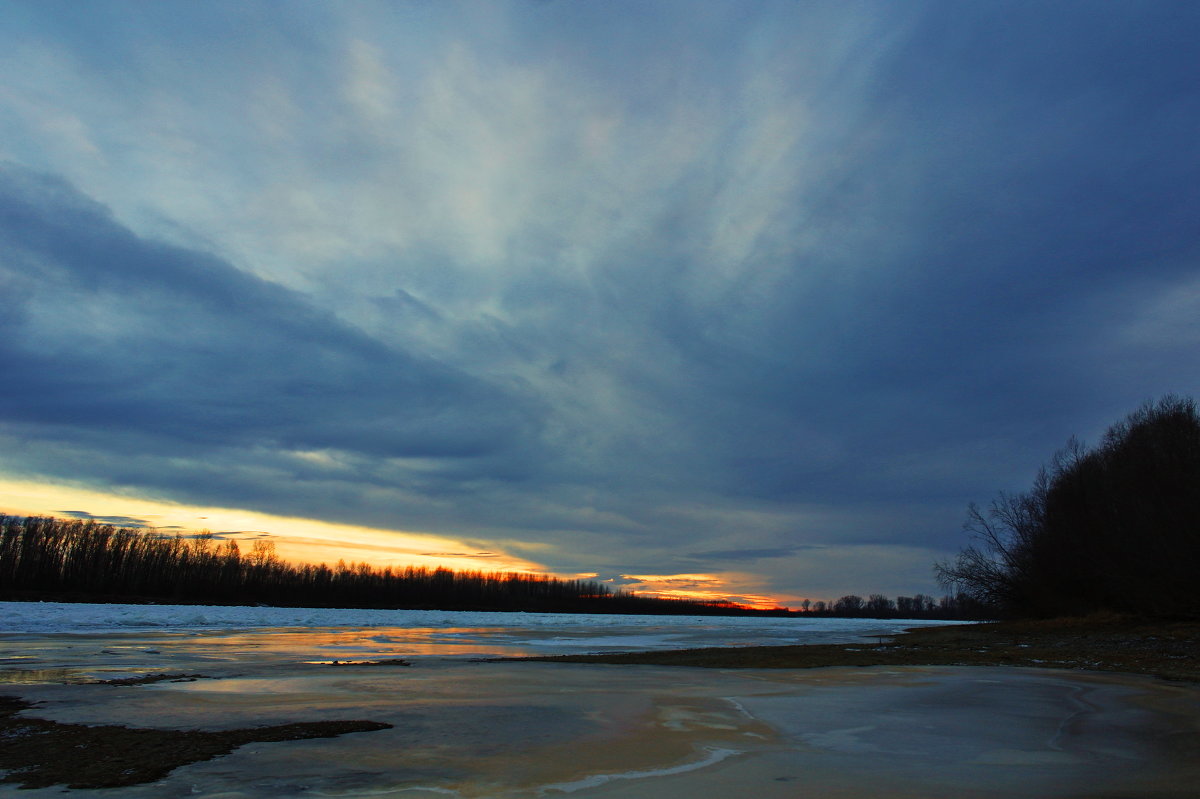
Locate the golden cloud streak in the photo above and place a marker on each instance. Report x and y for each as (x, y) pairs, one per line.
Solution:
(296, 540)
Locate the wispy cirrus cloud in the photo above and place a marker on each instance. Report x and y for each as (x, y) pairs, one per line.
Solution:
(617, 289)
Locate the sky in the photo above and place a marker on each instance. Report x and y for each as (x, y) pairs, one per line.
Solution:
(743, 299)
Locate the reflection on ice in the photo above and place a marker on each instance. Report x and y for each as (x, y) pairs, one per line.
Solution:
(504, 730)
(447, 632)
(714, 755)
(16, 676)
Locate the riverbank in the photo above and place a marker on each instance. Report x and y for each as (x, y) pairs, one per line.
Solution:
(39, 753)
(1166, 649)
(156, 710)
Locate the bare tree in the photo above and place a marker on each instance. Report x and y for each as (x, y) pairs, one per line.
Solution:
(1109, 528)
(879, 606)
(849, 605)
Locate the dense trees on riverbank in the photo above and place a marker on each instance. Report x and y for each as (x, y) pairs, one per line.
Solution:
(87, 561)
(1113, 528)
(84, 560)
(918, 606)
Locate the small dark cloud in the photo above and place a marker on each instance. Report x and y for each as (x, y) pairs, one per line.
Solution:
(176, 531)
(747, 554)
(688, 582)
(406, 304)
(120, 521)
(618, 579)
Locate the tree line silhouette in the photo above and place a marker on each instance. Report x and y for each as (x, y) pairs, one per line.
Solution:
(918, 606)
(46, 558)
(1113, 528)
(74, 560)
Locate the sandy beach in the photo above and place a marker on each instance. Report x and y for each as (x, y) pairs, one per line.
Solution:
(461, 727)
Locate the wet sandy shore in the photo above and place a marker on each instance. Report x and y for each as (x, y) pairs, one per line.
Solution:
(522, 729)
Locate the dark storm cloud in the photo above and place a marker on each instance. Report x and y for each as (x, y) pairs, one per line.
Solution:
(733, 555)
(130, 340)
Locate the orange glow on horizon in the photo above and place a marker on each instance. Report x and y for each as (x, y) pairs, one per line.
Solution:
(704, 588)
(296, 540)
(302, 541)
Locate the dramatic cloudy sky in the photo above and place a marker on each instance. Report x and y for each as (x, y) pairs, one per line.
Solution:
(751, 297)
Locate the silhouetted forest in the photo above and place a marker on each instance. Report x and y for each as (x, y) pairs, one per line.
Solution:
(918, 606)
(1113, 528)
(71, 560)
(44, 558)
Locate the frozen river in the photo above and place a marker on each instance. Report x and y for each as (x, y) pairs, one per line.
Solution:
(439, 633)
(464, 728)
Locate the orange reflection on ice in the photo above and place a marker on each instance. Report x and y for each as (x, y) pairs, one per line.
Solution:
(324, 645)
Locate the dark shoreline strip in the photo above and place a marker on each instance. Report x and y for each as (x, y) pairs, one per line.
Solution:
(1166, 649)
(39, 753)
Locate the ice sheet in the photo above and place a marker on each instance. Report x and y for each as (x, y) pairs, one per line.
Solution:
(468, 729)
(508, 730)
(464, 633)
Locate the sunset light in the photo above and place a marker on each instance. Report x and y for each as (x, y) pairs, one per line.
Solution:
(628, 399)
(297, 540)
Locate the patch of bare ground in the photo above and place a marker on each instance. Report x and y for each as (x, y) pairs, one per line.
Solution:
(1167, 649)
(38, 753)
(149, 679)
